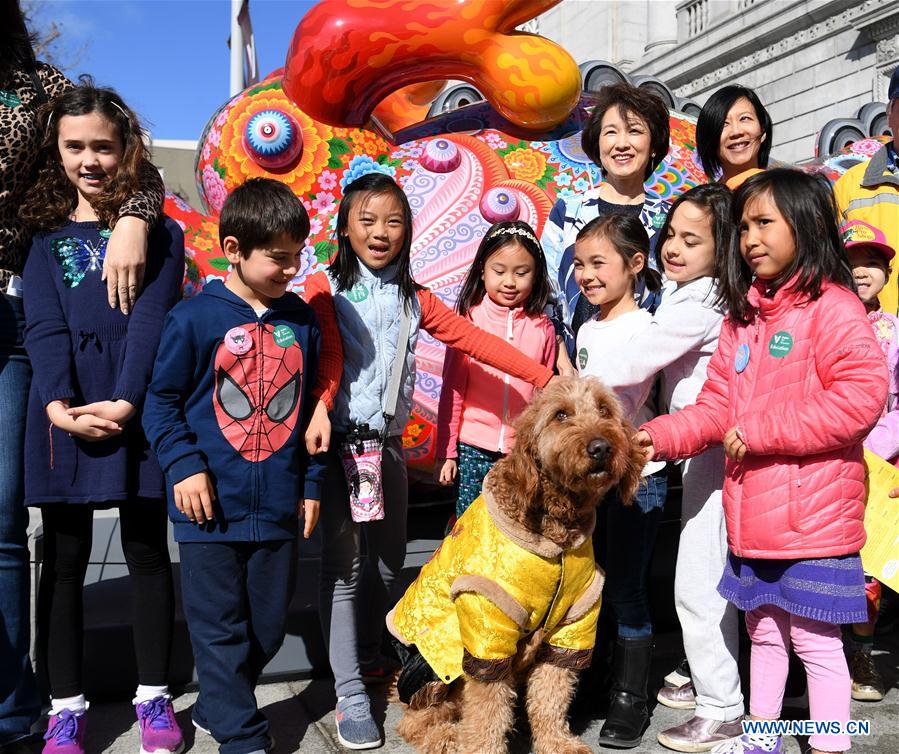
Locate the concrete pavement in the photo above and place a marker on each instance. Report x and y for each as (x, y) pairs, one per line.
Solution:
(302, 719)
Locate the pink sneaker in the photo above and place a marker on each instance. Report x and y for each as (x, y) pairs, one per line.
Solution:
(159, 731)
(65, 733)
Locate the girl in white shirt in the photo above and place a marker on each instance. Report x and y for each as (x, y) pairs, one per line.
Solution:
(610, 258)
(678, 344)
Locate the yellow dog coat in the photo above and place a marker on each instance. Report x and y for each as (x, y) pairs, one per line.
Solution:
(492, 583)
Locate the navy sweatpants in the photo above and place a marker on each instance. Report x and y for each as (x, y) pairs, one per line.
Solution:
(235, 597)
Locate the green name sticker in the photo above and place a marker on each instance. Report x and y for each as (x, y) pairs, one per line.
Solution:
(283, 336)
(10, 99)
(582, 358)
(781, 344)
(357, 293)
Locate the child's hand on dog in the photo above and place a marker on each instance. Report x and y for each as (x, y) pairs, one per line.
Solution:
(445, 471)
(643, 439)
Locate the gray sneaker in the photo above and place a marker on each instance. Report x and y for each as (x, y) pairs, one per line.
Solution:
(356, 728)
(699, 734)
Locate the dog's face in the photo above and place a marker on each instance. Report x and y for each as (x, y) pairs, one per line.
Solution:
(577, 437)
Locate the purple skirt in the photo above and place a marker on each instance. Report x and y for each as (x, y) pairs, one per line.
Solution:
(831, 590)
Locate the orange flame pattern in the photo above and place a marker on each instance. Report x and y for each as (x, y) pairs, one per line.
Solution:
(348, 55)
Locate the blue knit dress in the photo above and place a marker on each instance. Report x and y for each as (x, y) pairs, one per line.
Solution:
(82, 349)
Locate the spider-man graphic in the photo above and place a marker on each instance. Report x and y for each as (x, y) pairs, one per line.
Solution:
(257, 388)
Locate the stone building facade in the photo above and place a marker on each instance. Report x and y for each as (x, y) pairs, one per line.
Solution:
(812, 62)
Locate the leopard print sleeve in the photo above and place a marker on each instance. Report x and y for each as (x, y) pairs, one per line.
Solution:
(54, 81)
(147, 202)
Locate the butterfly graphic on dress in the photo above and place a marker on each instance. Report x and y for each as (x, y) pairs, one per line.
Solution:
(77, 257)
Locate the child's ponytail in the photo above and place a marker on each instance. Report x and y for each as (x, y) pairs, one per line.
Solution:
(628, 237)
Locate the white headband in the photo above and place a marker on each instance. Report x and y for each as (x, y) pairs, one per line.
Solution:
(514, 231)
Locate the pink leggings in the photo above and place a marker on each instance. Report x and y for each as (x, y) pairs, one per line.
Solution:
(820, 647)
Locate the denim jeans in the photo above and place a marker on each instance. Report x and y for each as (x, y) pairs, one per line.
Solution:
(19, 702)
(624, 540)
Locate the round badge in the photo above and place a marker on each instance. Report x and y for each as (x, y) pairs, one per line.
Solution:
(238, 341)
(357, 293)
(105, 233)
(859, 232)
(658, 220)
(283, 336)
(741, 360)
(582, 358)
(781, 344)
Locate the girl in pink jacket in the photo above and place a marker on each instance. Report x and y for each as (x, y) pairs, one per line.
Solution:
(796, 383)
(505, 293)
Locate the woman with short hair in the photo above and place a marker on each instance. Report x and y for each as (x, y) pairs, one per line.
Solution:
(733, 135)
(627, 138)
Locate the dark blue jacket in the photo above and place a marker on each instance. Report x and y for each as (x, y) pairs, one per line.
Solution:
(83, 350)
(229, 396)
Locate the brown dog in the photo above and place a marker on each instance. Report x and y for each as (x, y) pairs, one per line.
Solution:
(488, 612)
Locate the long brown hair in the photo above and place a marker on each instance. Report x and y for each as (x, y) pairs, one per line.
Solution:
(51, 198)
(809, 207)
(16, 51)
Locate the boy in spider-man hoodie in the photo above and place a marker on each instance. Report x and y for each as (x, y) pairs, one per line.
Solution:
(225, 412)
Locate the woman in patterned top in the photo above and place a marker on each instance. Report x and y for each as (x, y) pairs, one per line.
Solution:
(24, 85)
(626, 137)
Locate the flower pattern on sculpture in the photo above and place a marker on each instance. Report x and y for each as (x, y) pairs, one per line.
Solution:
(525, 164)
(239, 165)
(363, 165)
(214, 189)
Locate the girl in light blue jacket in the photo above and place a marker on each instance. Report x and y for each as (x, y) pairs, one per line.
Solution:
(371, 284)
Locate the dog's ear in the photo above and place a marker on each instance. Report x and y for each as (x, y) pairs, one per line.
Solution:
(636, 460)
(517, 474)
(514, 480)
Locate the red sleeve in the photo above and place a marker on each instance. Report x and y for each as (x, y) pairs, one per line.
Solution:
(452, 396)
(853, 371)
(317, 292)
(695, 428)
(448, 327)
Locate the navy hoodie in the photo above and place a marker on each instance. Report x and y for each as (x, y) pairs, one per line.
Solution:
(229, 396)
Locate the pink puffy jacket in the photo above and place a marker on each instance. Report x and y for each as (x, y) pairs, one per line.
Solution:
(813, 385)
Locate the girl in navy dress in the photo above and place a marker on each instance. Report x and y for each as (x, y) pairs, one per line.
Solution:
(85, 449)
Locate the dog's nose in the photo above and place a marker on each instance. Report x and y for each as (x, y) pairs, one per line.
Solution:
(599, 449)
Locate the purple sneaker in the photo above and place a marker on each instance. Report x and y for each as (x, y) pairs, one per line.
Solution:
(65, 733)
(159, 731)
(751, 743)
